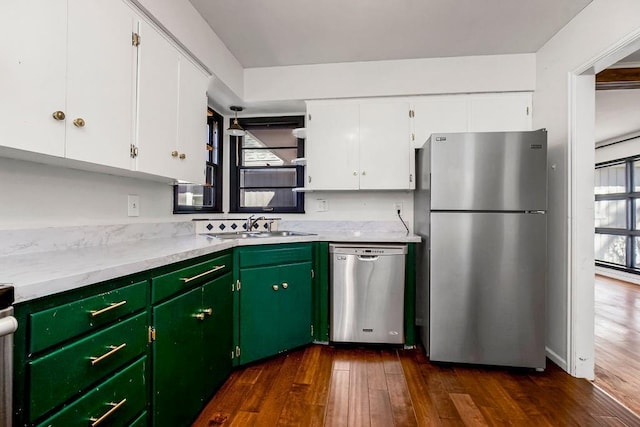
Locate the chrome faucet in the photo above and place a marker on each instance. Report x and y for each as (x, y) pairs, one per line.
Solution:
(252, 222)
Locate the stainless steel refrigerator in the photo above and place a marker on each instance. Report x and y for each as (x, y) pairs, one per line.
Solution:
(480, 206)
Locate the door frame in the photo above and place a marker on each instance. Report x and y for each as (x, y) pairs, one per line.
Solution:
(580, 164)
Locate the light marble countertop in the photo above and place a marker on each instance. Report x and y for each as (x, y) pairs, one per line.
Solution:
(40, 274)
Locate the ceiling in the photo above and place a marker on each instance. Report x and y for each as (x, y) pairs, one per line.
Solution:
(268, 33)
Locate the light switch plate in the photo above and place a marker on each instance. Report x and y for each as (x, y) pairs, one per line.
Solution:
(133, 205)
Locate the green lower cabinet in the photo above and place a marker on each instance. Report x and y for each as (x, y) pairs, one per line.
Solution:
(187, 360)
(116, 402)
(275, 309)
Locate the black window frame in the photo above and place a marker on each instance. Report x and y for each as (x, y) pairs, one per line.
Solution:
(216, 176)
(235, 158)
(629, 232)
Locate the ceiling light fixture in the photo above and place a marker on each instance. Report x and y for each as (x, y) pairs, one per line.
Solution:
(235, 129)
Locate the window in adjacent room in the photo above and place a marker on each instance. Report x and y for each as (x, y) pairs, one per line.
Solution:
(264, 170)
(192, 198)
(617, 214)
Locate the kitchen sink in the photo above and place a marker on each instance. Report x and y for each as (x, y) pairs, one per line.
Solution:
(258, 234)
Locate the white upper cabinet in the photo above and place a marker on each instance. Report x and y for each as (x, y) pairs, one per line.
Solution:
(438, 114)
(101, 61)
(32, 69)
(500, 112)
(332, 146)
(75, 85)
(385, 146)
(355, 145)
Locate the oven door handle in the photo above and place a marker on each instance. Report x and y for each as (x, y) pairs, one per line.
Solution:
(8, 326)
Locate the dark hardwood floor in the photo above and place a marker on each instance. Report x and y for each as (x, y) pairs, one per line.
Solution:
(617, 343)
(322, 385)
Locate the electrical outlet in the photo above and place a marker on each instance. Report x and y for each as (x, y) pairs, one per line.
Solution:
(133, 205)
(397, 208)
(322, 205)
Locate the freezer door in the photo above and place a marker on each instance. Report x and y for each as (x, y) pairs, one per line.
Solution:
(489, 171)
(487, 288)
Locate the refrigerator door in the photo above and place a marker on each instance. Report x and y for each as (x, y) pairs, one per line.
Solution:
(487, 288)
(489, 171)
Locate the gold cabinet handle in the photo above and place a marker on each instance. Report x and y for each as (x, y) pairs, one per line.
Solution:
(183, 156)
(58, 115)
(213, 270)
(79, 122)
(364, 173)
(208, 311)
(112, 350)
(285, 285)
(110, 307)
(174, 154)
(275, 287)
(355, 173)
(199, 316)
(114, 407)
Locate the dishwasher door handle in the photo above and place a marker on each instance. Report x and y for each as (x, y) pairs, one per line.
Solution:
(8, 326)
(368, 257)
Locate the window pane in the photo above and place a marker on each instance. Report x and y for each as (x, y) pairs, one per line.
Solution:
(636, 262)
(636, 175)
(611, 214)
(267, 138)
(610, 179)
(269, 198)
(611, 248)
(637, 203)
(268, 157)
(268, 178)
(195, 195)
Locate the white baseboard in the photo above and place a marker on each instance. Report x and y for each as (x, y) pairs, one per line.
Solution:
(557, 359)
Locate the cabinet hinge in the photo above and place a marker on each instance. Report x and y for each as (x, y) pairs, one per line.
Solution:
(152, 334)
(412, 113)
(232, 355)
(309, 179)
(413, 136)
(238, 285)
(311, 330)
(313, 274)
(309, 117)
(135, 39)
(410, 177)
(237, 351)
(527, 111)
(133, 151)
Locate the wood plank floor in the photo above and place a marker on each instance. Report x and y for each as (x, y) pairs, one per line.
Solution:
(617, 343)
(326, 386)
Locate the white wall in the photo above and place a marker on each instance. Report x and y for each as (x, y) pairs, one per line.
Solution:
(617, 113)
(33, 195)
(618, 151)
(598, 27)
(492, 73)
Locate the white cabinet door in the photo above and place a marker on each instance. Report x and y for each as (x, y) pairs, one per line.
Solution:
(32, 74)
(192, 122)
(157, 126)
(100, 82)
(501, 112)
(331, 147)
(438, 114)
(385, 146)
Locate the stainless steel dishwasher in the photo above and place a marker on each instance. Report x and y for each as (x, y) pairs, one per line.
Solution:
(367, 293)
(8, 325)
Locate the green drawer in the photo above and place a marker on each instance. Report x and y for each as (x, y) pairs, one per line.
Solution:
(275, 255)
(58, 324)
(141, 421)
(118, 401)
(60, 375)
(171, 283)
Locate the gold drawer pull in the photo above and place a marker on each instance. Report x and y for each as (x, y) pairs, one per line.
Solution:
(213, 270)
(285, 285)
(115, 407)
(110, 307)
(208, 311)
(112, 351)
(199, 316)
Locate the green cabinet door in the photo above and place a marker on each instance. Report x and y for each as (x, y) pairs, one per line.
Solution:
(217, 299)
(177, 360)
(259, 330)
(295, 305)
(275, 309)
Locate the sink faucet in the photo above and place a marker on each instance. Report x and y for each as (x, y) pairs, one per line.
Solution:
(252, 222)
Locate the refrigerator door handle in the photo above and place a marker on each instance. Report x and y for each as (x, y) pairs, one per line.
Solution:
(536, 212)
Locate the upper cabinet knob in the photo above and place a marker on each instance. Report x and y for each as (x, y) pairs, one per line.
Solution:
(174, 154)
(183, 156)
(79, 122)
(58, 115)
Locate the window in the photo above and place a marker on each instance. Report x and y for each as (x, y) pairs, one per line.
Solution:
(264, 170)
(617, 214)
(190, 198)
